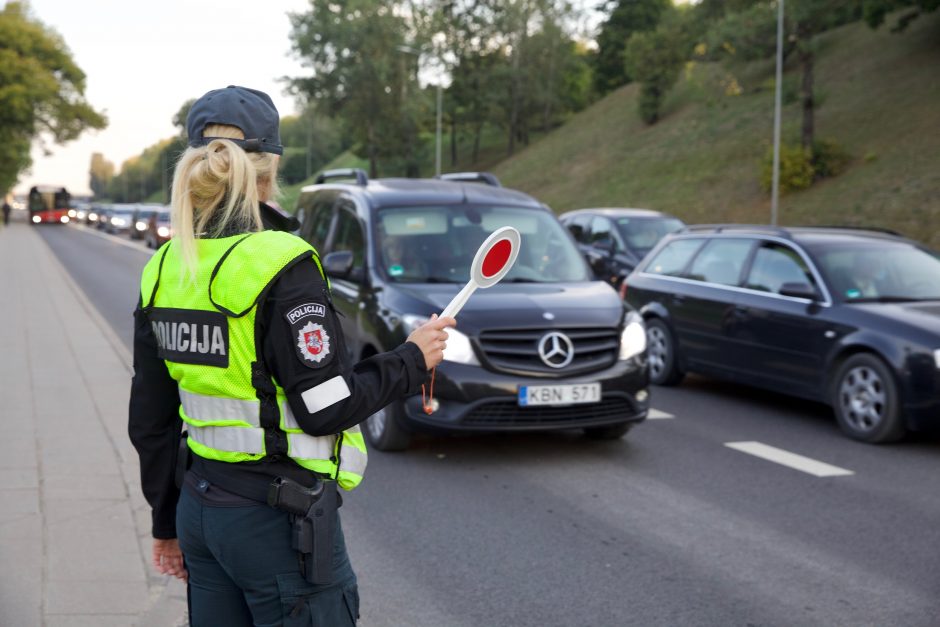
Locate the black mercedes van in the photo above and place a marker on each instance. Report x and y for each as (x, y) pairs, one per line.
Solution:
(546, 348)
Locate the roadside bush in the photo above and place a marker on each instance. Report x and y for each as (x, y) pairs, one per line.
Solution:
(800, 167)
(829, 159)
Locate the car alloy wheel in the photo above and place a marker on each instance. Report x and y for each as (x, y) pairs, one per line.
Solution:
(384, 431)
(862, 395)
(375, 424)
(866, 400)
(657, 351)
(661, 353)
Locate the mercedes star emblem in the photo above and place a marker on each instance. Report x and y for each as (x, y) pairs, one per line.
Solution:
(556, 349)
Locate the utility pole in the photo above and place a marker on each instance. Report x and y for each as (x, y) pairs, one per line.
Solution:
(437, 158)
(778, 91)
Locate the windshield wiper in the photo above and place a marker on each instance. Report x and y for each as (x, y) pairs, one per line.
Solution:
(520, 279)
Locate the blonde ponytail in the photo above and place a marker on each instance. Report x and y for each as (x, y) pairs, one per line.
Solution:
(216, 190)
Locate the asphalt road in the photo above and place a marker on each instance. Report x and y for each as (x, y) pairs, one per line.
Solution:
(668, 526)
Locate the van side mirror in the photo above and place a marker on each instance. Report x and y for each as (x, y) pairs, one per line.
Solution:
(799, 290)
(338, 264)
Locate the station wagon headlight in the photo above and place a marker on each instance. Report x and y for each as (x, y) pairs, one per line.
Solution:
(633, 337)
(459, 349)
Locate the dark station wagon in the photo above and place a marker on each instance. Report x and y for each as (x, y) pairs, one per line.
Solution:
(844, 316)
(546, 348)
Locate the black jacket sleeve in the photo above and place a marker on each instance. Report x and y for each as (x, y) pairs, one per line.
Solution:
(305, 351)
(154, 426)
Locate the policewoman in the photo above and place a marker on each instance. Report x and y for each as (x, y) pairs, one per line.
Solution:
(236, 340)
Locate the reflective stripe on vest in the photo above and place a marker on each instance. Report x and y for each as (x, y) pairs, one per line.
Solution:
(239, 437)
(200, 408)
(230, 439)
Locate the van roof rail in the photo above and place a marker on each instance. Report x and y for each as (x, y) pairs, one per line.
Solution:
(472, 177)
(344, 173)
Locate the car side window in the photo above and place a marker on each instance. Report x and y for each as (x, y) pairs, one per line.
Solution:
(602, 232)
(721, 261)
(674, 257)
(349, 237)
(776, 264)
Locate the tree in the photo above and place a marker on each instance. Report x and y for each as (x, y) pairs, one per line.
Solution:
(654, 60)
(876, 11)
(41, 91)
(101, 173)
(626, 18)
(747, 35)
(179, 118)
(353, 49)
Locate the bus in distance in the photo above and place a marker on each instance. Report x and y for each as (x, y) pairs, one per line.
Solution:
(49, 204)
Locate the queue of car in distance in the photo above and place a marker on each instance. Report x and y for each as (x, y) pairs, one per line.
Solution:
(546, 348)
(614, 240)
(149, 222)
(848, 317)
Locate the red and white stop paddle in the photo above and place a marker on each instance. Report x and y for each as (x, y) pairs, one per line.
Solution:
(493, 260)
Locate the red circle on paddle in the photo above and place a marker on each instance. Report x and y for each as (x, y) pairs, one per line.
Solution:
(496, 257)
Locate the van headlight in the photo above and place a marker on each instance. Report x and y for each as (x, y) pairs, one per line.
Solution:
(163, 231)
(633, 336)
(936, 357)
(459, 349)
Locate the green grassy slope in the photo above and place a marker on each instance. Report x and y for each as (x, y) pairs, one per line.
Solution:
(880, 95)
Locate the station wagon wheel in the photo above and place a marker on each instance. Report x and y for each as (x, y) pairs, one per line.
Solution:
(866, 401)
(383, 429)
(661, 353)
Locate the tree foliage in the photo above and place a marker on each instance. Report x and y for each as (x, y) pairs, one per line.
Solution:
(100, 174)
(627, 17)
(876, 11)
(41, 91)
(751, 34)
(360, 69)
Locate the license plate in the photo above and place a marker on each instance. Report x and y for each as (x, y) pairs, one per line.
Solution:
(559, 394)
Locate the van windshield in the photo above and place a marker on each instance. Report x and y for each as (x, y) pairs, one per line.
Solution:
(437, 244)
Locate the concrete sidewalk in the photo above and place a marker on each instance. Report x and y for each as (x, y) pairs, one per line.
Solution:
(74, 527)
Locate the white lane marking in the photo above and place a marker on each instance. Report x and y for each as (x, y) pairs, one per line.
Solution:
(791, 460)
(113, 238)
(655, 414)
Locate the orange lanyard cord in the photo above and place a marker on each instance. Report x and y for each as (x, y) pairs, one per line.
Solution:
(426, 402)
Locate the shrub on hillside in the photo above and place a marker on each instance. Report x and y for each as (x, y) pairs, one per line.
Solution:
(799, 167)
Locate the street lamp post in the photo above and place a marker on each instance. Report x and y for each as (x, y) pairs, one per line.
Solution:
(778, 90)
(437, 158)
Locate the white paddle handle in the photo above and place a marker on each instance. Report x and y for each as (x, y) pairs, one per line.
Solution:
(459, 300)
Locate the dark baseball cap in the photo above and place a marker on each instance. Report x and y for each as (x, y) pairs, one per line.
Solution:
(250, 110)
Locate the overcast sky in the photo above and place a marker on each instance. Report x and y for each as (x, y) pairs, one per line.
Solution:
(143, 60)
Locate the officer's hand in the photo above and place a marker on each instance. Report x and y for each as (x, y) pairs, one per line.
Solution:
(431, 338)
(168, 558)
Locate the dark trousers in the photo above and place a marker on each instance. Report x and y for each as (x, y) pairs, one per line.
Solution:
(243, 571)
